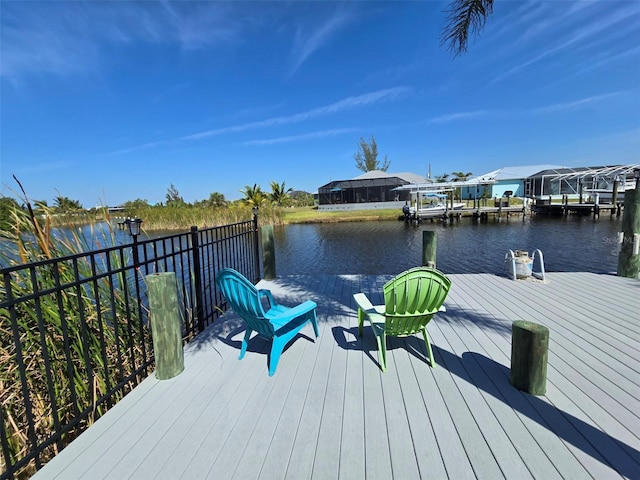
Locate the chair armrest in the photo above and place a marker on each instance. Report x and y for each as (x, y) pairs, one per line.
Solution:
(267, 293)
(280, 319)
(362, 301)
(367, 307)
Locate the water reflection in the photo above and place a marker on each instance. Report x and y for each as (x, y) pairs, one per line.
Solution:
(569, 244)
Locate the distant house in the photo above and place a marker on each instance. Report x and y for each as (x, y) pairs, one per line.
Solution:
(582, 180)
(537, 181)
(373, 189)
(507, 181)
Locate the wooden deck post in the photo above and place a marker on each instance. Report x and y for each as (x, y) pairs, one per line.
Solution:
(268, 252)
(628, 262)
(529, 353)
(429, 244)
(165, 324)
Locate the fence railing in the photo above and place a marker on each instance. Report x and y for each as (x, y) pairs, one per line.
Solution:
(75, 334)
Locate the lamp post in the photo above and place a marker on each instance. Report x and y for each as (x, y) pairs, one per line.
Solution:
(134, 230)
(134, 226)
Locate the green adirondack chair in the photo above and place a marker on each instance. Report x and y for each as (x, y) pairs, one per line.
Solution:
(411, 299)
(277, 323)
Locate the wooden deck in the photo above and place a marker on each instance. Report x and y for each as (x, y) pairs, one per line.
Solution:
(330, 413)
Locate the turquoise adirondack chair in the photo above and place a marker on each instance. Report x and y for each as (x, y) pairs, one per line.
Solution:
(278, 323)
(411, 299)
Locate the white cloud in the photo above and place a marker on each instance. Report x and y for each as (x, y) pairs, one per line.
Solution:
(309, 40)
(333, 108)
(575, 104)
(64, 38)
(27, 168)
(345, 104)
(451, 117)
(304, 136)
(556, 107)
(574, 31)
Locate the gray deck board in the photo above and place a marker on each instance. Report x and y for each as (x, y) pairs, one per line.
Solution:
(329, 412)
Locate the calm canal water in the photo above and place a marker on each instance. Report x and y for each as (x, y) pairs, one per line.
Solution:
(568, 244)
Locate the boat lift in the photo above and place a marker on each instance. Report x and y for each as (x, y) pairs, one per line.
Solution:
(521, 265)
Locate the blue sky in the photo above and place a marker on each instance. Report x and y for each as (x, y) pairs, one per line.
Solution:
(105, 102)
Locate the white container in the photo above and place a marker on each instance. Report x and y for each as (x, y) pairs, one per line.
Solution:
(524, 264)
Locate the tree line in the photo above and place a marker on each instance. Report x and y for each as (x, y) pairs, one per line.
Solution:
(279, 196)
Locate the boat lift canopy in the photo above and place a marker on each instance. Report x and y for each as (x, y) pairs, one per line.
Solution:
(434, 195)
(437, 187)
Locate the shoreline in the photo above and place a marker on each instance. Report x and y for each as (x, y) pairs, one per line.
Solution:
(272, 216)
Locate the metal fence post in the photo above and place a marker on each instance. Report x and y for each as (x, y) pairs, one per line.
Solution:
(256, 246)
(197, 278)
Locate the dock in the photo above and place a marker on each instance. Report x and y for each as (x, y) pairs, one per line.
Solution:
(540, 208)
(480, 213)
(329, 412)
(594, 209)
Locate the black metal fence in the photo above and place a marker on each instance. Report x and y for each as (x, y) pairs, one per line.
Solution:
(75, 332)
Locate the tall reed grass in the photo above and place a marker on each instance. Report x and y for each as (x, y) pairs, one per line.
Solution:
(181, 217)
(64, 352)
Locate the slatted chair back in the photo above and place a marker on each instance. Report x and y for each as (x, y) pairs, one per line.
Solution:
(412, 298)
(244, 298)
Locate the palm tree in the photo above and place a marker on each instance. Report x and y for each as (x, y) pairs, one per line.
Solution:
(65, 204)
(253, 195)
(463, 16)
(279, 194)
(460, 177)
(442, 178)
(216, 199)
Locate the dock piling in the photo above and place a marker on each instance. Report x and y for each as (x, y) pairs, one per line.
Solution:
(628, 259)
(268, 252)
(165, 324)
(429, 244)
(529, 354)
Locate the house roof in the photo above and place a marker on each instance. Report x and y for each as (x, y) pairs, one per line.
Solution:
(375, 178)
(408, 176)
(517, 172)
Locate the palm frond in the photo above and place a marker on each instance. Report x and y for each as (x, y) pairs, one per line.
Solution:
(464, 16)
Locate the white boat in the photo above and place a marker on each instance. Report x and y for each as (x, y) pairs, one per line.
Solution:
(439, 208)
(435, 203)
(425, 205)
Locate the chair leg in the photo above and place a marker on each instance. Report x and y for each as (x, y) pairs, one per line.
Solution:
(382, 350)
(314, 322)
(428, 343)
(277, 346)
(245, 341)
(360, 320)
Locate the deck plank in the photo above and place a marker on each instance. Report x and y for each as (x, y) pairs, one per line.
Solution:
(329, 412)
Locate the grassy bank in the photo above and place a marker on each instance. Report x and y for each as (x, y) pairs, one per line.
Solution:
(312, 215)
(181, 218)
